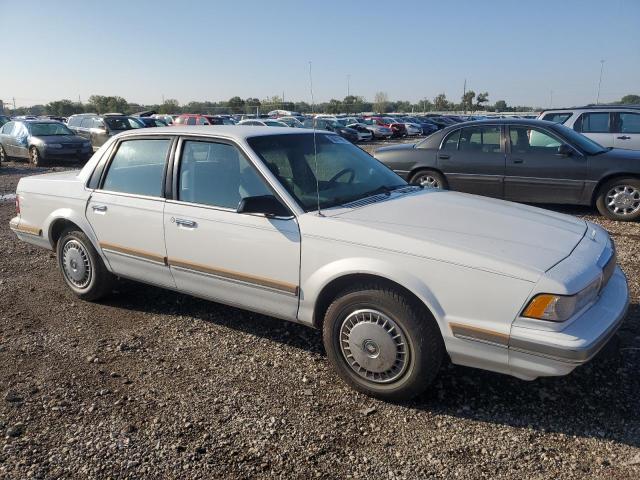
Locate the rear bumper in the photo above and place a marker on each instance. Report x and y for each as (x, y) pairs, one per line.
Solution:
(534, 353)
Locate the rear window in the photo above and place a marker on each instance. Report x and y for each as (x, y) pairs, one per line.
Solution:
(593, 123)
(557, 117)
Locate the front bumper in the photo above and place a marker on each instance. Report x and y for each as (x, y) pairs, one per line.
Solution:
(66, 153)
(534, 353)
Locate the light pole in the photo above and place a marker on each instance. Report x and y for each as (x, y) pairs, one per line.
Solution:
(600, 81)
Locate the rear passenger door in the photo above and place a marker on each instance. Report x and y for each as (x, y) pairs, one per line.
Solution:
(597, 126)
(537, 173)
(126, 209)
(473, 160)
(627, 130)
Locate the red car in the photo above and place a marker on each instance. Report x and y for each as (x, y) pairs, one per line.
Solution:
(197, 119)
(398, 129)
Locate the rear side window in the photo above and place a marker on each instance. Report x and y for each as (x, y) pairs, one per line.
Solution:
(629, 123)
(480, 139)
(74, 121)
(593, 123)
(138, 167)
(87, 122)
(191, 120)
(557, 117)
(451, 143)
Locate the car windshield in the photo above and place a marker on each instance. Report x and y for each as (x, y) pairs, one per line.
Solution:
(583, 143)
(123, 123)
(339, 173)
(49, 129)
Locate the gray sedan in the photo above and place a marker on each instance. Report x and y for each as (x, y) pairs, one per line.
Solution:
(523, 160)
(41, 141)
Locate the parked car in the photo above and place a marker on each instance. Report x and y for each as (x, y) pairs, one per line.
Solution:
(152, 122)
(168, 119)
(332, 125)
(397, 128)
(523, 160)
(614, 126)
(196, 119)
(396, 276)
(265, 122)
(99, 128)
(378, 131)
(413, 128)
(292, 122)
(41, 141)
(364, 134)
(427, 126)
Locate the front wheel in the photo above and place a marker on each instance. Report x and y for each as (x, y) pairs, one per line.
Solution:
(382, 343)
(3, 155)
(619, 199)
(82, 268)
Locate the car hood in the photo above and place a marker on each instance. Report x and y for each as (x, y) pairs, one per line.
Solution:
(619, 154)
(60, 138)
(470, 230)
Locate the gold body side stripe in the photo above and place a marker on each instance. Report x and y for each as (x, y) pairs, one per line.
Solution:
(24, 228)
(232, 275)
(481, 334)
(134, 252)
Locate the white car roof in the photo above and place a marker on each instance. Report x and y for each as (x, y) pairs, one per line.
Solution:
(236, 132)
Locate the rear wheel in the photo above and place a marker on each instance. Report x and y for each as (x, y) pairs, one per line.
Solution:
(619, 199)
(34, 157)
(381, 343)
(429, 178)
(3, 155)
(82, 268)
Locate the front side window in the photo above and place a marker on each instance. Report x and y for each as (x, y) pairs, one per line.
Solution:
(480, 139)
(217, 174)
(326, 169)
(531, 140)
(138, 167)
(629, 123)
(593, 123)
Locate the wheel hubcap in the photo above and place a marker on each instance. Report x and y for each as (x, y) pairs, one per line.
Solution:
(623, 200)
(428, 181)
(374, 346)
(34, 156)
(76, 264)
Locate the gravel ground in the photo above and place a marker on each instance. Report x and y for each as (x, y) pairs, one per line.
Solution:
(152, 383)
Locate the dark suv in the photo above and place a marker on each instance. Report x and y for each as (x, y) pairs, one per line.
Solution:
(98, 128)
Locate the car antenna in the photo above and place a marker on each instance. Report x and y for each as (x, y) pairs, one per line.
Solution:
(315, 146)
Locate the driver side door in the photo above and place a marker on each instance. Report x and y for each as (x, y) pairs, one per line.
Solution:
(536, 172)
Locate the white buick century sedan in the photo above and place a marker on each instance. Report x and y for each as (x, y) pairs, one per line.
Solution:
(306, 227)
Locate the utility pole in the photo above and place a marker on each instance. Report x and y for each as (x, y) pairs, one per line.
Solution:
(600, 81)
(14, 104)
(550, 98)
(464, 94)
(163, 98)
(348, 85)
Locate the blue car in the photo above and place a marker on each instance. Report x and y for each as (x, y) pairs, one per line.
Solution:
(40, 141)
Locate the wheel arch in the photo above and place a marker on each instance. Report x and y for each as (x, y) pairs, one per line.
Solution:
(608, 178)
(425, 168)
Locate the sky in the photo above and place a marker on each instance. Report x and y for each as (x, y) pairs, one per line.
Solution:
(538, 53)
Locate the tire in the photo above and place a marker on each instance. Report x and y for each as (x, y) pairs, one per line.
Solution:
(619, 199)
(409, 329)
(3, 155)
(34, 157)
(429, 178)
(81, 267)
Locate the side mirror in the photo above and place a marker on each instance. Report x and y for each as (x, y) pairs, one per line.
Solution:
(268, 205)
(565, 150)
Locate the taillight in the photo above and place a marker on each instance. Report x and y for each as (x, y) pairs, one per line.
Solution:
(17, 205)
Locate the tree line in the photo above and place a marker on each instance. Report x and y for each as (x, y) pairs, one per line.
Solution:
(470, 102)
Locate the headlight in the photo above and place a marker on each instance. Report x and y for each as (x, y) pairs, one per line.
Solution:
(558, 308)
(54, 145)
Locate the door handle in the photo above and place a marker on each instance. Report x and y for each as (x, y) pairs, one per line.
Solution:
(99, 208)
(181, 222)
(444, 156)
(518, 160)
(624, 137)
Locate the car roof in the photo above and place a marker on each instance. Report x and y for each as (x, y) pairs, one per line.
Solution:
(595, 107)
(234, 132)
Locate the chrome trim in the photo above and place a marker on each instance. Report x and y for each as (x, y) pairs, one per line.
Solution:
(134, 253)
(483, 335)
(134, 257)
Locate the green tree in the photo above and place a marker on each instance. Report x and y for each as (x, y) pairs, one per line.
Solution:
(63, 108)
(251, 105)
(381, 102)
(630, 100)
(440, 103)
(334, 106)
(467, 100)
(500, 106)
(480, 99)
(170, 105)
(236, 105)
(103, 104)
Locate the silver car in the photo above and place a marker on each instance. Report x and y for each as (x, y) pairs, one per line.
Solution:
(612, 126)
